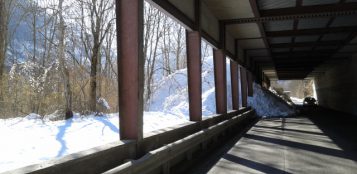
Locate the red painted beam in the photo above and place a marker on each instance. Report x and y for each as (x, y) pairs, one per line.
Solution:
(130, 67)
(234, 84)
(243, 78)
(193, 39)
(220, 80)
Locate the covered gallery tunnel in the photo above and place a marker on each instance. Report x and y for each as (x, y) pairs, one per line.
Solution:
(266, 40)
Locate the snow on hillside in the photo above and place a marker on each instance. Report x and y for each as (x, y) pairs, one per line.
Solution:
(171, 93)
(267, 105)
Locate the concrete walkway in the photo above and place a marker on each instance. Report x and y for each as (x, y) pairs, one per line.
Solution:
(291, 145)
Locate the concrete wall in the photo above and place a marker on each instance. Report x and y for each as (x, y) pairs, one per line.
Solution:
(337, 87)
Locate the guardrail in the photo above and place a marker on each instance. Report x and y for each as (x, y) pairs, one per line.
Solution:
(103, 158)
(162, 159)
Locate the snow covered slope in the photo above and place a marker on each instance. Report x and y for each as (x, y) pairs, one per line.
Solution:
(171, 93)
(267, 105)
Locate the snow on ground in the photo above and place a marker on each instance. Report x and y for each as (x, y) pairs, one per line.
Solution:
(31, 140)
(297, 101)
(267, 105)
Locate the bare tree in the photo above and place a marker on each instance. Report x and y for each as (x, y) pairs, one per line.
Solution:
(62, 61)
(3, 31)
(100, 17)
(152, 36)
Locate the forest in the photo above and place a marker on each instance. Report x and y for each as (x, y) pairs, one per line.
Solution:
(60, 56)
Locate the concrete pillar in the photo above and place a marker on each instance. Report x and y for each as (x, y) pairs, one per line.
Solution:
(130, 67)
(220, 81)
(194, 70)
(243, 79)
(234, 84)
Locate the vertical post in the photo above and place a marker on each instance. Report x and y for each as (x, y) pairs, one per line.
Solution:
(130, 67)
(250, 83)
(243, 78)
(220, 81)
(234, 84)
(193, 39)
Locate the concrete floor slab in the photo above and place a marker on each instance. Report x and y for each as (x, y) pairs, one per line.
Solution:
(289, 145)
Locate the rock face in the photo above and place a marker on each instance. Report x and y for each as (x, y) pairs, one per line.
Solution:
(268, 104)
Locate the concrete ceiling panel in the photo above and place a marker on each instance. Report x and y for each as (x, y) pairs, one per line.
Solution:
(312, 23)
(249, 30)
(349, 48)
(350, 20)
(273, 4)
(279, 25)
(209, 22)
(185, 6)
(354, 40)
(251, 43)
(277, 40)
(230, 9)
(262, 58)
(260, 52)
(230, 43)
(319, 2)
(307, 38)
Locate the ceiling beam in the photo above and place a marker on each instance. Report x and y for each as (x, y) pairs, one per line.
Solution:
(302, 10)
(316, 31)
(300, 53)
(171, 10)
(254, 6)
(305, 44)
(286, 17)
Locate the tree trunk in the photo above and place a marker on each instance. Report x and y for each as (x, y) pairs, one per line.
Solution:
(93, 79)
(34, 34)
(3, 33)
(64, 70)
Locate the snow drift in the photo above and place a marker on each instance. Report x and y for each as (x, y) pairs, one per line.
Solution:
(171, 93)
(267, 104)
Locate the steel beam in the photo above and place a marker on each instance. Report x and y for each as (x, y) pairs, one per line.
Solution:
(130, 67)
(171, 10)
(250, 83)
(243, 78)
(306, 44)
(220, 81)
(289, 16)
(315, 31)
(305, 10)
(193, 39)
(234, 84)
